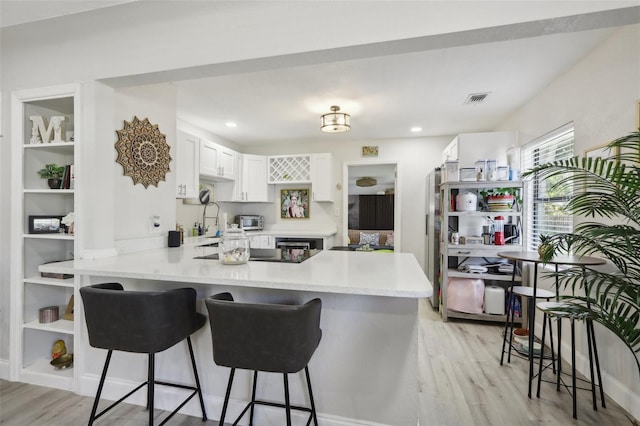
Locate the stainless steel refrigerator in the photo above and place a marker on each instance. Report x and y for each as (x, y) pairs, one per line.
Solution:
(432, 237)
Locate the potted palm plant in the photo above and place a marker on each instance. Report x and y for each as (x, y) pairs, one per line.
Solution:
(607, 189)
(53, 173)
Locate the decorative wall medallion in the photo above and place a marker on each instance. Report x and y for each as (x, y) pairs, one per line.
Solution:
(143, 152)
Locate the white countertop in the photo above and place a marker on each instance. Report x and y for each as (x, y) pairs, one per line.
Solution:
(344, 272)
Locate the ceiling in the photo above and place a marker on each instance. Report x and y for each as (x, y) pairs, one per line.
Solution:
(385, 94)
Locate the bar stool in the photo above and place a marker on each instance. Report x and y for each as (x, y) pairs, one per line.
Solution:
(550, 310)
(264, 337)
(524, 292)
(141, 322)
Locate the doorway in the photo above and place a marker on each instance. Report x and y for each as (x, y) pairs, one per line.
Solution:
(371, 200)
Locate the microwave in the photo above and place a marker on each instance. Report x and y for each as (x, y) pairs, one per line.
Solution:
(250, 222)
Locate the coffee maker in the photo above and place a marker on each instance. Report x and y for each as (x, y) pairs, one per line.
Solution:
(511, 233)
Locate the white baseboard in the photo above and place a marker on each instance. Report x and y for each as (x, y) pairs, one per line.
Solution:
(4, 369)
(167, 398)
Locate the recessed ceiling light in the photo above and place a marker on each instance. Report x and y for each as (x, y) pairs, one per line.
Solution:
(231, 124)
(416, 129)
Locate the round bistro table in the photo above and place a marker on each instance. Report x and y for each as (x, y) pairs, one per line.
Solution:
(562, 259)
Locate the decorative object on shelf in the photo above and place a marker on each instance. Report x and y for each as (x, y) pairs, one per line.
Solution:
(335, 122)
(68, 312)
(366, 181)
(53, 173)
(501, 199)
(48, 314)
(63, 361)
(611, 186)
(294, 203)
(545, 249)
(59, 348)
(42, 134)
(55, 275)
(369, 151)
(68, 221)
(44, 224)
(143, 152)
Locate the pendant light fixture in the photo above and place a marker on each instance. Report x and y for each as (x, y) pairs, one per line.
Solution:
(366, 181)
(335, 122)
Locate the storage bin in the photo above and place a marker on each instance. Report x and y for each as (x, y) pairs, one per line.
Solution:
(465, 295)
(494, 300)
(468, 174)
(452, 171)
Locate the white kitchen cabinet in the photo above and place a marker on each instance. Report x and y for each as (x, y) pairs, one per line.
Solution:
(290, 168)
(31, 340)
(468, 223)
(217, 162)
(251, 183)
(322, 184)
(187, 165)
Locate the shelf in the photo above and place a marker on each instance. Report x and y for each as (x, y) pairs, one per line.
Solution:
(48, 191)
(60, 326)
(483, 184)
(485, 276)
(481, 317)
(55, 236)
(42, 373)
(478, 213)
(68, 282)
(46, 146)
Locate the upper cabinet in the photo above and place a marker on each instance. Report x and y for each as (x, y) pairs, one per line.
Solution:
(187, 165)
(251, 182)
(322, 178)
(217, 162)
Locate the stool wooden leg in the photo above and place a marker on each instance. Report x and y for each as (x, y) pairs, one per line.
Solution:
(253, 396)
(151, 386)
(100, 386)
(313, 405)
(226, 397)
(544, 332)
(595, 355)
(553, 356)
(573, 367)
(286, 399)
(559, 373)
(195, 373)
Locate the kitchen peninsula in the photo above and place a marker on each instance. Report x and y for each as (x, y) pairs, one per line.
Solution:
(365, 370)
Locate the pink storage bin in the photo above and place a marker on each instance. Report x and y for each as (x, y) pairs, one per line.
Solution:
(466, 295)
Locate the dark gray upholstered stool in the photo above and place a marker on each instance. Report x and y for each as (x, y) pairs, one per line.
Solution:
(264, 337)
(141, 322)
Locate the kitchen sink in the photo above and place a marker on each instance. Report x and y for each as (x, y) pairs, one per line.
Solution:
(209, 245)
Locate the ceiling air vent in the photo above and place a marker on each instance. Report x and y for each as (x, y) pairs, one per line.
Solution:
(476, 98)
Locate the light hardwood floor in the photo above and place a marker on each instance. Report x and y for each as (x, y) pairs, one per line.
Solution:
(462, 383)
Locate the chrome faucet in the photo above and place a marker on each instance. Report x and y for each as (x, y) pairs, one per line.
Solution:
(204, 216)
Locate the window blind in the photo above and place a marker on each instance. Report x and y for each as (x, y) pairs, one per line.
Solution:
(545, 213)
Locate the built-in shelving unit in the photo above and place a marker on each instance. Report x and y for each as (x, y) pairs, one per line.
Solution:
(469, 223)
(31, 340)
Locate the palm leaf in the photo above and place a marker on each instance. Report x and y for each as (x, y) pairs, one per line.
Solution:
(607, 188)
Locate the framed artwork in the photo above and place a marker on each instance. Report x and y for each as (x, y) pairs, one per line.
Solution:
(294, 203)
(369, 151)
(601, 151)
(44, 224)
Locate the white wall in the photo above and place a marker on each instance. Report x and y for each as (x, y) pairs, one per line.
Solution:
(599, 94)
(415, 157)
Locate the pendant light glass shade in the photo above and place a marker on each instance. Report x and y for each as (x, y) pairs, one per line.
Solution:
(335, 122)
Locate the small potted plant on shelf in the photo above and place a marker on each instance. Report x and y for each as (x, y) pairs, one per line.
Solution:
(53, 173)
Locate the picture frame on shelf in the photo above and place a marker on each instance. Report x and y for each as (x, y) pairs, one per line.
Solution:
(68, 312)
(43, 224)
(294, 203)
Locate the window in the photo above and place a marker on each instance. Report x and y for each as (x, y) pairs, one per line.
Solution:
(545, 213)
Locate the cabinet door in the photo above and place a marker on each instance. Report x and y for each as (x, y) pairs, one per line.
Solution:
(226, 163)
(322, 177)
(254, 178)
(208, 159)
(187, 165)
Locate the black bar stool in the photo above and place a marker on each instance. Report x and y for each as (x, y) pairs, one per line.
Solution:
(550, 310)
(141, 322)
(268, 338)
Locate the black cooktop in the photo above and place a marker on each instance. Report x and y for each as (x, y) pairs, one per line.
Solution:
(288, 255)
